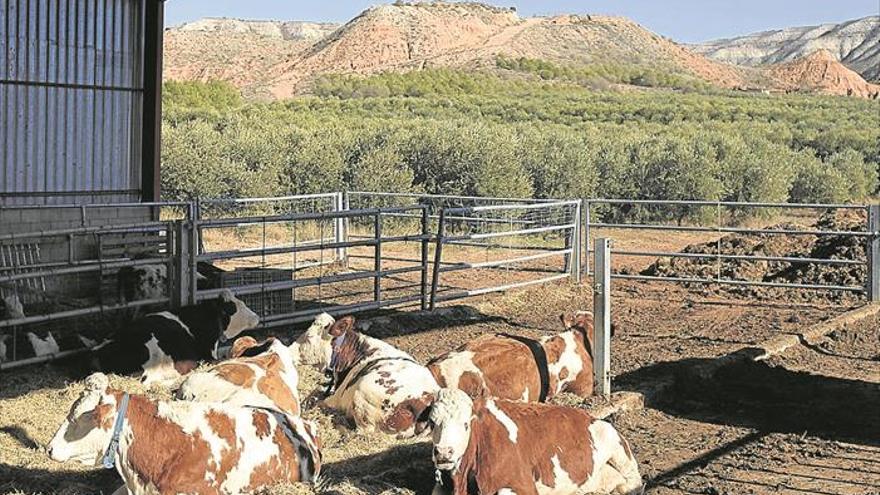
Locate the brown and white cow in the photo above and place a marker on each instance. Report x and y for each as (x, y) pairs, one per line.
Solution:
(185, 447)
(523, 369)
(506, 447)
(258, 374)
(371, 378)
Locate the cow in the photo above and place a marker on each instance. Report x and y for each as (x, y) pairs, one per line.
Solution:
(136, 283)
(161, 347)
(258, 374)
(523, 369)
(371, 378)
(163, 447)
(507, 447)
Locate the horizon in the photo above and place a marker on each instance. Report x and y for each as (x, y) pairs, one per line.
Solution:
(686, 21)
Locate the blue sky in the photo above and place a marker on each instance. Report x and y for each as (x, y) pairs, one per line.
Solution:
(682, 20)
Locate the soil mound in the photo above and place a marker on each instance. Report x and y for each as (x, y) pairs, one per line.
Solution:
(823, 73)
(788, 246)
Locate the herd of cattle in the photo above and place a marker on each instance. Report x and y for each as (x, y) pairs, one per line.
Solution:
(236, 426)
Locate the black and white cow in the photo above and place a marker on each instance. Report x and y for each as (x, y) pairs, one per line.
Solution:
(161, 347)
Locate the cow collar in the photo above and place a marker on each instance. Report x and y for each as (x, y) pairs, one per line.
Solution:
(109, 460)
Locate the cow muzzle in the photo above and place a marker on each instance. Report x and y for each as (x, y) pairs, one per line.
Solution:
(444, 458)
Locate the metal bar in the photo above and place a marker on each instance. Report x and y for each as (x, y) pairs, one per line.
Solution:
(535, 206)
(486, 245)
(451, 267)
(685, 228)
(387, 258)
(510, 233)
(743, 257)
(500, 288)
(338, 310)
(80, 312)
(339, 226)
(80, 267)
(221, 201)
(587, 222)
(602, 317)
(238, 222)
(438, 253)
(302, 282)
(576, 245)
(146, 227)
(247, 253)
(151, 133)
(40, 359)
(424, 259)
(89, 205)
(739, 282)
(377, 265)
(873, 251)
(449, 196)
(728, 203)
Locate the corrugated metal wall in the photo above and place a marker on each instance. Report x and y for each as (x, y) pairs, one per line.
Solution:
(71, 101)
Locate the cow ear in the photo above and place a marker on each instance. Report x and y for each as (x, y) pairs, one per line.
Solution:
(103, 416)
(423, 419)
(584, 319)
(567, 320)
(241, 345)
(342, 326)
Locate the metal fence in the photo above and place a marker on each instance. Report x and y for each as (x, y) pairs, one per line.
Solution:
(293, 257)
(721, 219)
(67, 276)
(528, 244)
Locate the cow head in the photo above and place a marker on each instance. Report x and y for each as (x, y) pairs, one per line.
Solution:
(11, 308)
(86, 431)
(450, 417)
(241, 317)
(583, 323)
(314, 347)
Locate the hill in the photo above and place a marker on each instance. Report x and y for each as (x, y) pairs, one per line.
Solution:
(856, 43)
(821, 72)
(403, 36)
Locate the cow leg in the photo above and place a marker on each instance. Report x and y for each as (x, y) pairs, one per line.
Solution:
(627, 469)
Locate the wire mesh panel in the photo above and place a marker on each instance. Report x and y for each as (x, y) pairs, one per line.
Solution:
(294, 264)
(492, 248)
(65, 290)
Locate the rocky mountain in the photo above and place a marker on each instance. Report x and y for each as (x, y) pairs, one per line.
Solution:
(822, 72)
(273, 59)
(855, 43)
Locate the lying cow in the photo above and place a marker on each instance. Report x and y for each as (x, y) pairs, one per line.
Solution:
(256, 375)
(164, 346)
(518, 368)
(505, 447)
(372, 378)
(185, 447)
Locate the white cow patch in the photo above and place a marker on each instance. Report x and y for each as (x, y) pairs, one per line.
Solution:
(504, 419)
(562, 482)
(456, 365)
(173, 317)
(568, 359)
(159, 367)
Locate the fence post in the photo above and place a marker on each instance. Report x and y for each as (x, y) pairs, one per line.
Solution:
(438, 256)
(587, 211)
(602, 316)
(425, 240)
(576, 244)
(874, 253)
(377, 263)
(339, 231)
(182, 263)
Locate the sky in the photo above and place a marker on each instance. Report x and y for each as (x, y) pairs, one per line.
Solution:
(685, 21)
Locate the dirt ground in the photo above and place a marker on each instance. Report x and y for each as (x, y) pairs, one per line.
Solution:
(689, 442)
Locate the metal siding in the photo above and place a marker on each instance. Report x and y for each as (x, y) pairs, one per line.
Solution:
(71, 89)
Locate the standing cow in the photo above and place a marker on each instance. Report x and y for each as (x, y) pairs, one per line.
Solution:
(164, 346)
(523, 369)
(489, 446)
(185, 447)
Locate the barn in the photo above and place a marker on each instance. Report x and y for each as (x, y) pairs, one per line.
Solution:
(80, 108)
(80, 125)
